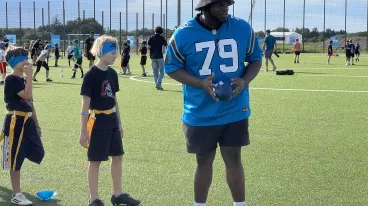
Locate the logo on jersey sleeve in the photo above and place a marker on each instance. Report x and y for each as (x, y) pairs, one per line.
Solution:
(106, 90)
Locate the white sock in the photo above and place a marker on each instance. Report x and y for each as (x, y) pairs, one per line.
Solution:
(199, 204)
(239, 203)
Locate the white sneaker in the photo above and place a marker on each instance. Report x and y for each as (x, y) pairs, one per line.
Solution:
(20, 199)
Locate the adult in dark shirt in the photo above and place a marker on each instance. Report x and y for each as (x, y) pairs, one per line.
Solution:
(329, 52)
(352, 51)
(21, 131)
(347, 53)
(88, 43)
(157, 45)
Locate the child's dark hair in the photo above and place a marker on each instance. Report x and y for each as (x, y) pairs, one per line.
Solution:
(159, 30)
(15, 51)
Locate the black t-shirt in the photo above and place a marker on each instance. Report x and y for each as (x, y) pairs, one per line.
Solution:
(126, 52)
(101, 87)
(330, 49)
(36, 45)
(57, 51)
(357, 49)
(144, 50)
(89, 43)
(156, 42)
(6, 41)
(13, 85)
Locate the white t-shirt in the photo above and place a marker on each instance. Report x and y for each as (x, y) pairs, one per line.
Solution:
(2, 55)
(44, 54)
(70, 50)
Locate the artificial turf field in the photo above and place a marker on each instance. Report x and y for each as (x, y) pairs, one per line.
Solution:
(308, 139)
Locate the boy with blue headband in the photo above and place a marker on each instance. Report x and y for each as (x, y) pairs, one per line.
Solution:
(21, 132)
(101, 130)
(78, 58)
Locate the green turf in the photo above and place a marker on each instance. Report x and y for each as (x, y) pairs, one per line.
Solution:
(307, 147)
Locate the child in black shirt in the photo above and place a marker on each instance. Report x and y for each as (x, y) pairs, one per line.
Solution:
(101, 130)
(143, 51)
(21, 131)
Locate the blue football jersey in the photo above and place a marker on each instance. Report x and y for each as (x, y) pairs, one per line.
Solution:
(223, 52)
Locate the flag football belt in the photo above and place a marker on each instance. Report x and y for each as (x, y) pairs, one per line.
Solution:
(92, 117)
(15, 113)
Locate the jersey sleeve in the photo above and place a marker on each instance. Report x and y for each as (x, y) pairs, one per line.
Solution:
(254, 52)
(175, 58)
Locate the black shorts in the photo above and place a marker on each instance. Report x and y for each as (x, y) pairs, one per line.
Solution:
(268, 54)
(357, 53)
(352, 54)
(78, 63)
(204, 139)
(143, 60)
(70, 56)
(105, 143)
(30, 146)
(297, 53)
(42, 63)
(90, 56)
(348, 54)
(125, 61)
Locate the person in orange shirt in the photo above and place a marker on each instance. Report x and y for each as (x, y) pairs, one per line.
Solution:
(296, 49)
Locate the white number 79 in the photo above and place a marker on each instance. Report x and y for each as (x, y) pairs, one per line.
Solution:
(206, 70)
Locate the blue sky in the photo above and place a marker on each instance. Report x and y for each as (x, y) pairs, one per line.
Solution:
(335, 13)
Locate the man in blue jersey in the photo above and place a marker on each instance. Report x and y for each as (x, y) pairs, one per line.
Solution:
(213, 47)
(269, 46)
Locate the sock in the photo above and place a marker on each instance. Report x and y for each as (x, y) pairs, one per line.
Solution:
(239, 203)
(74, 74)
(118, 195)
(199, 204)
(81, 71)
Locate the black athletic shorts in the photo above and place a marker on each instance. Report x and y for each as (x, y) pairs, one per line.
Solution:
(143, 60)
(297, 53)
(70, 56)
(204, 139)
(78, 63)
(42, 63)
(125, 61)
(348, 54)
(15, 150)
(90, 56)
(104, 142)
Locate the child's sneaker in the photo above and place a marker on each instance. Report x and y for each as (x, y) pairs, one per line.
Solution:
(34, 79)
(49, 80)
(144, 75)
(274, 69)
(2, 82)
(124, 199)
(96, 202)
(20, 199)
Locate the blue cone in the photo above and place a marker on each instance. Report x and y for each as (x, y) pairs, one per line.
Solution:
(46, 194)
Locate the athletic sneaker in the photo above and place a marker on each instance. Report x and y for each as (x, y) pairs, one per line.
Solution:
(49, 80)
(96, 202)
(34, 79)
(274, 69)
(125, 199)
(20, 199)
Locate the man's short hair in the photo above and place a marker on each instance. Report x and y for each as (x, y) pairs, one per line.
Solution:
(159, 30)
(268, 31)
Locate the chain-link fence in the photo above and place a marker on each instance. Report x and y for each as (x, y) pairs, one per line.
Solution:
(314, 22)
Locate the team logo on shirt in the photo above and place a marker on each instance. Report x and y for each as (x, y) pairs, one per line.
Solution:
(106, 90)
(27, 102)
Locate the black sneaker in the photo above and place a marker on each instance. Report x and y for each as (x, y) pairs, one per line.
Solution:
(96, 202)
(49, 80)
(73, 77)
(124, 199)
(2, 82)
(34, 79)
(159, 88)
(143, 75)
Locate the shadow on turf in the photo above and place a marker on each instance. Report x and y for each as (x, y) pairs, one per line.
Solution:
(5, 196)
(311, 73)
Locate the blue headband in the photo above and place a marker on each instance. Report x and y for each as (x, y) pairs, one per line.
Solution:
(14, 60)
(108, 47)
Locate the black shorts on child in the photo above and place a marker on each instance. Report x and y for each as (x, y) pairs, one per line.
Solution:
(16, 149)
